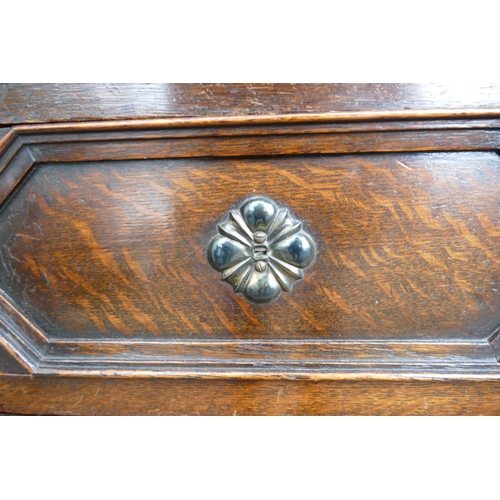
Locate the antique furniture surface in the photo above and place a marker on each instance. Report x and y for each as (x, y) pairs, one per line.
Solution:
(255, 249)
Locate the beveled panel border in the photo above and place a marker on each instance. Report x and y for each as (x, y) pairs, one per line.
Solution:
(22, 147)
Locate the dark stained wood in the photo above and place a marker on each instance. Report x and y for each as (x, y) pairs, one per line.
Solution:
(38, 103)
(407, 247)
(281, 353)
(311, 360)
(104, 226)
(14, 172)
(269, 145)
(23, 341)
(3, 133)
(159, 129)
(7, 135)
(108, 396)
(353, 117)
(11, 147)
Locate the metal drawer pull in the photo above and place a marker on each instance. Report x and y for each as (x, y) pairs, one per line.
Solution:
(261, 250)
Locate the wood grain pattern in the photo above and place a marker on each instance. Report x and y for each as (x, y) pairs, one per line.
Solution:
(38, 103)
(14, 172)
(74, 396)
(104, 226)
(6, 136)
(312, 119)
(407, 247)
(299, 353)
(158, 129)
(8, 150)
(269, 145)
(20, 338)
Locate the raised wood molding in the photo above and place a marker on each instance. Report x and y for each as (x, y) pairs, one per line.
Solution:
(296, 118)
(398, 184)
(437, 130)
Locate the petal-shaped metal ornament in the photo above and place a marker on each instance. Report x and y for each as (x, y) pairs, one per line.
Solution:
(261, 250)
(224, 253)
(258, 213)
(262, 287)
(297, 250)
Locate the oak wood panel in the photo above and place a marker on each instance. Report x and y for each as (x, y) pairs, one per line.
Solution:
(31, 103)
(278, 353)
(101, 396)
(15, 321)
(409, 290)
(4, 133)
(108, 131)
(14, 172)
(408, 247)
(8, 150)
(363, 142)
(254, 120)
(405, 368)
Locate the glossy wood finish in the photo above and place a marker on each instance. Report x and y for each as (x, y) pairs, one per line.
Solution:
(175, 209)
(77, 396)
(407, 248)
(29, 103)
(104, 227)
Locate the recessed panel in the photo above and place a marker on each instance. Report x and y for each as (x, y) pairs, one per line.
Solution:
(408, 245)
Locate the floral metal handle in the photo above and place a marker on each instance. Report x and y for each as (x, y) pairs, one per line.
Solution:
(261, 250)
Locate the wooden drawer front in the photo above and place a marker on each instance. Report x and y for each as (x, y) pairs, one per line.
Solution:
(104, 231)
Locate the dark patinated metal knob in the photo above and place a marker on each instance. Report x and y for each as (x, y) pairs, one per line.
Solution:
(261, 250)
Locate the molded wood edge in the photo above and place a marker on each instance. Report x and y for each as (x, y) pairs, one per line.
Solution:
(297, 118)
(19, 337)
(275, 360)
(269, 145)
(494, 341)
(11, 314)
(14, 172)
(34, 357)
(9, 151)
(6, 140)
(273, 352)
(23, 355)
(378, 372)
